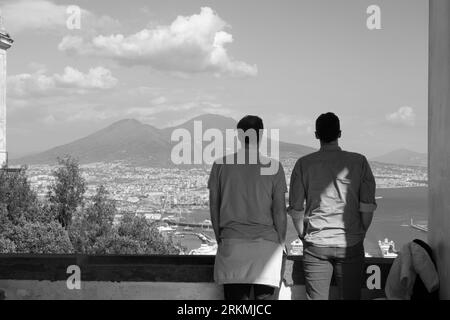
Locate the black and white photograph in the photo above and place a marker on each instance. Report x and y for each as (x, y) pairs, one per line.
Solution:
(212, 150)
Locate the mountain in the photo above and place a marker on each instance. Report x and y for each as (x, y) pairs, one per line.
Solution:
(125, 139)
(222, 123)
(140, 143)
(209, 121)
(404, 157)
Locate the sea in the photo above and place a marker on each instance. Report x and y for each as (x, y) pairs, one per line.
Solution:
(396, 208)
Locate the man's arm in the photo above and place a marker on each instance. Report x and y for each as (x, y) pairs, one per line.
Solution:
(366, 219)
(297, 199)
(298, 219)
(367, 205)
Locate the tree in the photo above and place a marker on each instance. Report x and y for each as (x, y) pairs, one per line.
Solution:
(93, 231)
(102, 211)
(25, 226)
(93, 224)
(6, 245)
(61, 223)
(66, 194)
(151, 241)
(16, 196)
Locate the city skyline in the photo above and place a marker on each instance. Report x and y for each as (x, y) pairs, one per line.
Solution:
(188, 59)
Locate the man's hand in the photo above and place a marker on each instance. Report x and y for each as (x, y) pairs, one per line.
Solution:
(298, 218)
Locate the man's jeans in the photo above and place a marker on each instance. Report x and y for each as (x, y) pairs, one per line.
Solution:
(347, 264)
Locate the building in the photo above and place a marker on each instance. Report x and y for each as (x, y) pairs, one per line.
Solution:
(5, 44)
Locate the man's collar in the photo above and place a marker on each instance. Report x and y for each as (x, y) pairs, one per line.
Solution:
(330, 147)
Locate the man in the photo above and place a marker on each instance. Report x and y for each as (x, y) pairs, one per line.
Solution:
(248, 213)
(339, 189)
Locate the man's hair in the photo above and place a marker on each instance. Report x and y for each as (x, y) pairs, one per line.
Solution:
(251, 123)
(328, 127)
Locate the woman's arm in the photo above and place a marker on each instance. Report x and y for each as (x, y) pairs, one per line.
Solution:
(279, 215)
(214, 208)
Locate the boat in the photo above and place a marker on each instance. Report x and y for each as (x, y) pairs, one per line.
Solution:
(296, 248)
(387, 248)
(421, 227)
(207, 224)
(205, 250)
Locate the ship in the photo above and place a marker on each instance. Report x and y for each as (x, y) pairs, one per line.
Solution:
(296, 248)
(387, 248)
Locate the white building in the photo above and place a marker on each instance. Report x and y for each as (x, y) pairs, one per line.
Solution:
(5, 44)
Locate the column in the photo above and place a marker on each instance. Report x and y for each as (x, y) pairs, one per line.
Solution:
(2, 107)
(439, 139)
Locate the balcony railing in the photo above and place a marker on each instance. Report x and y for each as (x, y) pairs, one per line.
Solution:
(146, 277)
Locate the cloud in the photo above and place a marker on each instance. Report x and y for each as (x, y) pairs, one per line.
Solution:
(404, 116)
(43, 15)
(72, 80)
(190, 44)
(159, 100)
(95, 78)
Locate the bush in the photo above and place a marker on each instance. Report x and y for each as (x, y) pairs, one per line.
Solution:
(7, 246)
(38, 237)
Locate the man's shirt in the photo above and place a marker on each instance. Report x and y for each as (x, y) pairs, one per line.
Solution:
(246, 199)
(337, 186)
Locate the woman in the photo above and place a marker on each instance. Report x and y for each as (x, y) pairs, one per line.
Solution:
(248, 213)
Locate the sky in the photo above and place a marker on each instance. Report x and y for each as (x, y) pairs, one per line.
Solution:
(164, 62)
